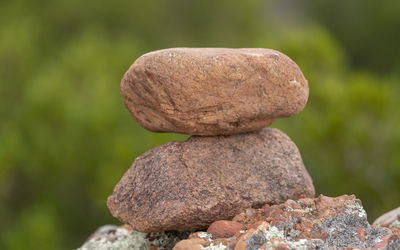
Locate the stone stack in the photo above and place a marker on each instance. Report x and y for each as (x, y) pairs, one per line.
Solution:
(223, 98)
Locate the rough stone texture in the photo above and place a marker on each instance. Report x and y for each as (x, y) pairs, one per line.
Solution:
(213, 91)
(188, 185)
(320, 223)
(111, 237)
(224, 228)
(388, 218)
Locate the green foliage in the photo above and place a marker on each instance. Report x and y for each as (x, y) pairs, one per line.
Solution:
(66, 138)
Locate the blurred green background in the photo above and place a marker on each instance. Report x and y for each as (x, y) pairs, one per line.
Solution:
(66, 138)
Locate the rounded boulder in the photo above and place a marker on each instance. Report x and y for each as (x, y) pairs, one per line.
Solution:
(188, 185)
(213, 91)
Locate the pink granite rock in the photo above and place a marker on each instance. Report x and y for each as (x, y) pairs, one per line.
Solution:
(188, 185)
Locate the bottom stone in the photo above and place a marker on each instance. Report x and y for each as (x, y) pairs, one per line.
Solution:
(188, 185)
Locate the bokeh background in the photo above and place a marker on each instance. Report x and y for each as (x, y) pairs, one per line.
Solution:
(66, 138)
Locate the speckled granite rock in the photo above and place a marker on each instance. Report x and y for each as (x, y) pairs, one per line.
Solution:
(111, 237)
(320, 223)
(213, 91)
(188, 185)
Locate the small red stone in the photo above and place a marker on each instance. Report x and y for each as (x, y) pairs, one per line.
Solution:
(224, 228)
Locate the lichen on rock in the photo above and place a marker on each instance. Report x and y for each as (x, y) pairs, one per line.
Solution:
(111, 237)
(357, 209)
(118, 239)
(395, 223)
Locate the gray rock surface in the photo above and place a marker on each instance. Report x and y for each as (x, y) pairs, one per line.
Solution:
(188, 185)
(111, 237)
(213, 91)
(321, 223)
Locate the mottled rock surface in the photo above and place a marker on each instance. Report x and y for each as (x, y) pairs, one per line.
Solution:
(320, 223)
(188, 185)
(213, 91)
(111, 237)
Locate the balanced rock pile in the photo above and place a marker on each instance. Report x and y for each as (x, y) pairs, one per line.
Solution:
(239, 185)
(223, 98)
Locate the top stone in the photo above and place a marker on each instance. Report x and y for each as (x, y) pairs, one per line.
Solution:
(212, 91)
